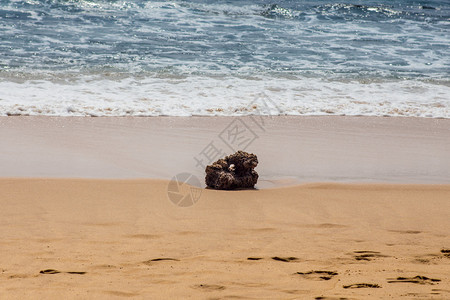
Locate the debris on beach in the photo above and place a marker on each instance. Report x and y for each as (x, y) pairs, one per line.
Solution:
(235, 171)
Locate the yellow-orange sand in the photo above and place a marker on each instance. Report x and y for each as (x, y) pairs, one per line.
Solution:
(117, 231)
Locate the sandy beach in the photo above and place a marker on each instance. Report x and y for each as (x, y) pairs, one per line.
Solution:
(113, 113)
(133, 242)
(347, 208)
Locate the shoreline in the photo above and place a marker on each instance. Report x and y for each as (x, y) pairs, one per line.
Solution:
(12, 116)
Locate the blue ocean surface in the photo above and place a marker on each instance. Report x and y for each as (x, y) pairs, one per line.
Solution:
(182, 58)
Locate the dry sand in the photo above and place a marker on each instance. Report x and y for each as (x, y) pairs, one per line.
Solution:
(133, 242)
(116, 238)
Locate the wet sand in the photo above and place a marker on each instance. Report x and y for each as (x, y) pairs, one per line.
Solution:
(290, 149)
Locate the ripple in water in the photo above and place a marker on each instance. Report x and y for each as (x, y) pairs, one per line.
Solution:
(212, 57)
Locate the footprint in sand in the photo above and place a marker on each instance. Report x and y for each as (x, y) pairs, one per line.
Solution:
(285, 259)
(438, 291)
(362, 286)
(417, 279)
(159, 259)
(209, 287)
(150, 261)
(330, 298)
(428, 258)
(406, 231)
(318, 275)
(277, 258)
(52, 271)
(367, 255)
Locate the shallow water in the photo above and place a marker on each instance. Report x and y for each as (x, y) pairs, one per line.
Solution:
(224, 58)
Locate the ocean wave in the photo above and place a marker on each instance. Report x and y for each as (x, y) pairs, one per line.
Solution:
(113, 51)
(222, 96)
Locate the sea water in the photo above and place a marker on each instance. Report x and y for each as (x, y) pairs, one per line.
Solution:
(212, 57)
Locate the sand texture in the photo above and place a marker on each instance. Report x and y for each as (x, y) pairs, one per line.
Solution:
(89, 239)
(85, 211)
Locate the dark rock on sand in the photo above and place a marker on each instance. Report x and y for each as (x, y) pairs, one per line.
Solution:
(235, 171)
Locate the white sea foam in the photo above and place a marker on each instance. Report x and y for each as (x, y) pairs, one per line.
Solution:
(182, 58)
(225, 96)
